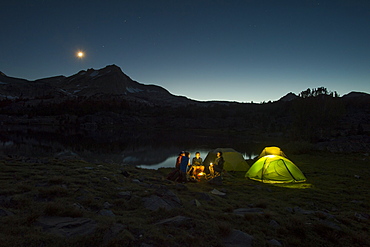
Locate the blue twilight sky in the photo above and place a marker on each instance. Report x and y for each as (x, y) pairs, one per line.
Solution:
(235, 50)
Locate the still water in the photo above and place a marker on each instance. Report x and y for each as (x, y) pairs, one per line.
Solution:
(170, 161)
(145, 149)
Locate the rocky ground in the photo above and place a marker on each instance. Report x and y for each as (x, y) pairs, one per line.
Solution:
(63, 201)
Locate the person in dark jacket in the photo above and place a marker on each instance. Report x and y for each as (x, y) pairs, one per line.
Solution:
(185, 162)
(218, 165)
(176, 175)
(178, 160)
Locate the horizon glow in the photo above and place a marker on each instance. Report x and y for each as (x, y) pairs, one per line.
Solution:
(240, 51)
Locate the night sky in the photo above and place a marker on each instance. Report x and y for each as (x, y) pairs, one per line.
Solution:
(249, 50)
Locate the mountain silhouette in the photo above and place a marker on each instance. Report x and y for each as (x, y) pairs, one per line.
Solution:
(103, 83)
(92, 99)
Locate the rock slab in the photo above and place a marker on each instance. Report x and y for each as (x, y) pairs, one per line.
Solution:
(67, 226)
(238, 238)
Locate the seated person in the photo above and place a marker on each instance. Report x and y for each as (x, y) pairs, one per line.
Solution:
(218, 166)
(197, 164)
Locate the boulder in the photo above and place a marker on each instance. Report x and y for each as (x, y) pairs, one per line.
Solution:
(113, 232)
(155, 202)
(67, 226)
(67, 155)
(330, 225)
(181, 187)
(195, 203)
(274, 242)
(243, 211)
(274, 224)
(177, 220)
(125, 194)
(125, 173)
(217, 192)
(204, 196)
(4, 212)
(107, 205)
(362, 216)
(168, 196)
(106, 212)
(302, 211)
(238, 238)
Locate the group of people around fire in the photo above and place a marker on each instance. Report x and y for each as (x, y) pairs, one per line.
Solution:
(190, 169)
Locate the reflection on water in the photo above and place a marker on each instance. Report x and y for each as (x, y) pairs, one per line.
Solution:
(146, 149)
(171, 161)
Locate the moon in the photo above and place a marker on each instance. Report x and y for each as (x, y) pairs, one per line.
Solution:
(80, 54)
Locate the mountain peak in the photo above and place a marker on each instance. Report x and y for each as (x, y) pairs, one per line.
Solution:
(354, 94)
(112, 67)
(289, 97)
(7, 79)
(112, 71)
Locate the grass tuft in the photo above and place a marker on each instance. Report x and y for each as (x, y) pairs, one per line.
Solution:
(262, 203)
(52, 192)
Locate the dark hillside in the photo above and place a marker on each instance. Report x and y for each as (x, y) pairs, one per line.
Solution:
(108, 98)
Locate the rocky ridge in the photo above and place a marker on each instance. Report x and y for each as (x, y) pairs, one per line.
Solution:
(102, 83)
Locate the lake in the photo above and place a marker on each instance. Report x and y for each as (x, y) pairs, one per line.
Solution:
(145, 149)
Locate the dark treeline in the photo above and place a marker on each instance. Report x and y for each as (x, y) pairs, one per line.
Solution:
(315, 92)
(316, 114)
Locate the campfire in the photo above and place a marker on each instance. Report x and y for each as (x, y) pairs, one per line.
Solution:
(200, 174)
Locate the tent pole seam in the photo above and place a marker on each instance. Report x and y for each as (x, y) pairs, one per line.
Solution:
(289, 170)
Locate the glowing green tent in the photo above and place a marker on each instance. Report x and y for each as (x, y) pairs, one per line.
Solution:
(275, 169)
(234, 160)
(272, 151)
